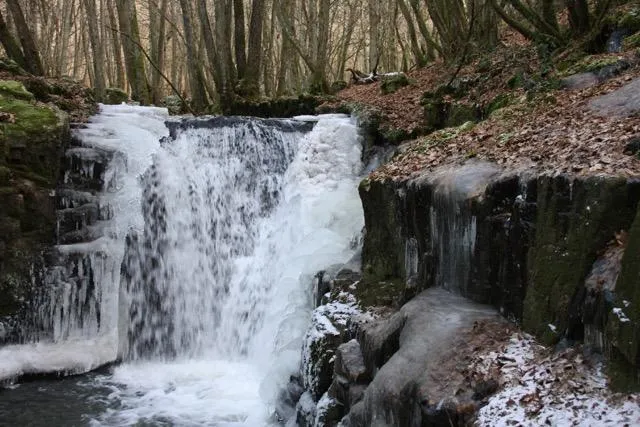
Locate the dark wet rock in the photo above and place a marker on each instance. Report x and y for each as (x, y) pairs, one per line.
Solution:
(622, 102)
(350, 362)
(288, 398)
(623, 318)
(484, 389)
(575, 220)
(529, 244)
(409, 387)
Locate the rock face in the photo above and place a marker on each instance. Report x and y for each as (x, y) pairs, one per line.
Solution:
(416, 386)
(528, 244)
(32, 139)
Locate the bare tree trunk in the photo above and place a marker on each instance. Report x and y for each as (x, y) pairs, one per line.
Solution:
(133, 58)
(196, 78)
(239, 38)
(96, 48)
(250, 84)
(157, 37)
(374, 34)
(29, 49)
(117, 47)
(10, 44)
(418, 55)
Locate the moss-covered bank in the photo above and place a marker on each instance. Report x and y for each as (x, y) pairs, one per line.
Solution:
(32, 139)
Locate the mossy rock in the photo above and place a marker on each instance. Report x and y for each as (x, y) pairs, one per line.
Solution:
(393, 83)
(115, 96)
(517, 80)
(576, 218)
(627, 20)
(12, 88)
(623, 329)
(499, 102)
(174, 104)
(386, 293)
(434, 113)
(632, 42)
(459, 113)
(591, 64)
(337, 86)
(12, 66)
(383, 248)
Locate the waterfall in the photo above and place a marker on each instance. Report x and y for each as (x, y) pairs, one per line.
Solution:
(198, 272)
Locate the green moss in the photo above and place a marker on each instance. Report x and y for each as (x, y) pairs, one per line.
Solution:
(624, 336)
(632, 41)
(12, 66)
(387, 293)
(459, 113)
(337, 86)
(395, 135)
(30, 120)
(115, 96)
(392, 84)
(14, 89)
(500, 101)
(628, 20)
(590, 64)
(575, 219)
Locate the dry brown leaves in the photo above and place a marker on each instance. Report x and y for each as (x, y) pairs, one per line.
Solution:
(555, 133)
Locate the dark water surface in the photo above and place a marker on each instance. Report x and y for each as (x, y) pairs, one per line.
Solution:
(71, 401)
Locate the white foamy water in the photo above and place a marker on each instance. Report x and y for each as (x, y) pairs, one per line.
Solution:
(227, 225)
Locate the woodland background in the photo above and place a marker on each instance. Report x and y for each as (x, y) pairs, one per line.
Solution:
(214, 52)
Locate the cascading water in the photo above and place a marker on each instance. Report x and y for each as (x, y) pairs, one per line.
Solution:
(226, 222)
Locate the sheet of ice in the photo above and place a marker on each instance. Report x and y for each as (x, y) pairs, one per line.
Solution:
(68, 357)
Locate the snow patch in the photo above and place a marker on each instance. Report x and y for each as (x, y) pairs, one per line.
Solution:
(560, 389)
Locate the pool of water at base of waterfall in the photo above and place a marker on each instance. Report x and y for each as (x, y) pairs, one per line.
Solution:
(188, 393)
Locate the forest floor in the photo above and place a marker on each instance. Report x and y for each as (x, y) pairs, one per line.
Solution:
(539, 386)
(576, 115)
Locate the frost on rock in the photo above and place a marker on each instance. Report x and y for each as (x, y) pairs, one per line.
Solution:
(326, 410)
(306, 410)
(561, 389)
(328, 328)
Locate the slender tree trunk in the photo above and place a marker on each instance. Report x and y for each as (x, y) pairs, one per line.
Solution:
(418, 55)
(29, 48)
(10, 44)
(157, 20)
(133, 57)
(239, 38)
(196, 78)
(96, 48)
(251, 81)
(117, 47)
